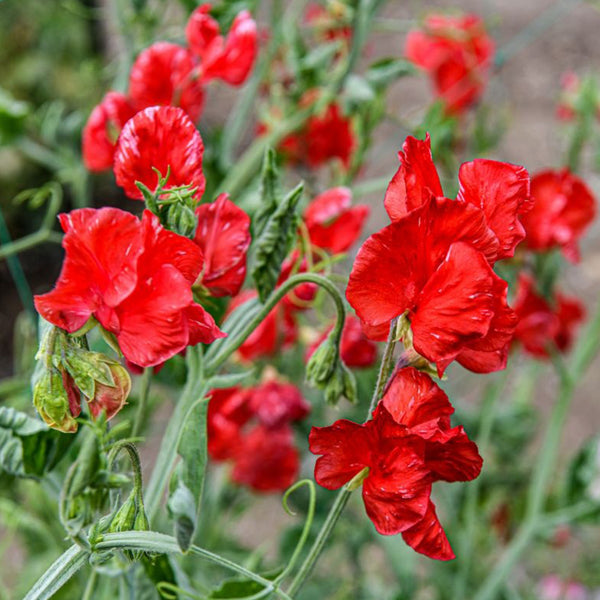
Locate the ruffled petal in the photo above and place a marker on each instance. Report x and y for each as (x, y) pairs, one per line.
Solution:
(223, 234)
(416, 180)
(165, 138)
(275, 404)
(501, 190)
(428, 537)
(201, 326)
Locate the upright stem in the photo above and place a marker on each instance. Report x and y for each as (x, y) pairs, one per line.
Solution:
(142, 401)
(385, 368)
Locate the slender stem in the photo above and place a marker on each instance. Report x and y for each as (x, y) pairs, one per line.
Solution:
(370, 186)
(237, 340)
(309, 562)
(30, 241)
(90, 587)
(385, 367)
(195, 387)
(145, 381)
(152, 541)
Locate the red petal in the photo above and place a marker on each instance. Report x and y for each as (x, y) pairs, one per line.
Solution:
(201, 325)
(415, 181)
(277, 403)
(345, 449)
(152, 323)
(223, 234)
(455, 306)
(329, 136)
(501, 190)
(413, 399)
(164, 138)
(201, 30)
(163, 75)
(427, 537)
(99, 137)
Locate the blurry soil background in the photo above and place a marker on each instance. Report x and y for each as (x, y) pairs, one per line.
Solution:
(524, 91)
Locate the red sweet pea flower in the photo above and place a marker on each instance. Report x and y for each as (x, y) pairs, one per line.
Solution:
(356, 349)
(228, 58)
(102, 130)
(406, 446)
(135, 279)
(252, 428)
(457, 53)
(333, 223)
(269, 462)
(433, 265)
(277, 331)
(165, 138)
(164, 75)
(223, 234)
(563, 208)
(329, 23)
(326, 136)
(543, 326)
(499, 189)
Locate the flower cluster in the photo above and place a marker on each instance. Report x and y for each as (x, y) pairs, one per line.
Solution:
(135, 278)
(457, 53)
(433, 264)
(252, 428)
(167, 74)
(398, 454)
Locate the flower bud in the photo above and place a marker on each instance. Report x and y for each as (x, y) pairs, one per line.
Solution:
(124, 519)
(323, 362)
(111, 398)
(342, 383)
(182, 220)
(52, 401)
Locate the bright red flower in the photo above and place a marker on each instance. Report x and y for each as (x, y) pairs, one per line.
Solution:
(135, 278)
(543, 325)
(356, 349)
(164, 74)
(563, 207)
(223, 234)
(228, 58)
(276, 332)
(326, 136)
(500, 190)
(165, 138)
(433, 265)
(269, 462)
(99, 138)
(407, 445)
(333, 223)
(457, 53)
(252, 428)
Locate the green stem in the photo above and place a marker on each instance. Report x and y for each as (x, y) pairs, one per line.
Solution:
(151, 541)
(309, 562)
(145, 381)
(386, 366)
(370, 186)
(29, 241)
(194, 389)
(237, 340)
(90, 587)
(134, 457)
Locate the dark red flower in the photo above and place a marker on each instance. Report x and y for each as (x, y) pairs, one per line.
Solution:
(544, 325)
(163, 138)
(433, 266)
(407, 446)
(330, 23)
(277, 331)
(269, 462)
(228, 58)
(563, 207)
(275, 403)
(325, 136)
(457, 53)
(356, 349)
(135, 278)
(164, 74)
(252, 428)
(100, 134)
(333, 223)
(223, 234)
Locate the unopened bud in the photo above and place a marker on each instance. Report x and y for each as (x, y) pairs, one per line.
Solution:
(342, 383)
(111, 398)
(323, 362)
(182, 220)
(51, 400)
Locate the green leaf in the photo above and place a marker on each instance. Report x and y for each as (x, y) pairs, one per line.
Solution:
(12, 117)
(583, 475)
(320, 57)
(270, 192)
(159, 570)
(231, 379)
(358, 90)
(28, 447)
(385, 71)
(237, 589)
(275, 242)
(188, 481)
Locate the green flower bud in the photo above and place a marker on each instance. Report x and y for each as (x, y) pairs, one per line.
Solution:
(323, 362)
(51, 400)
(342, 383)
(182, 220)
(124, 519)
